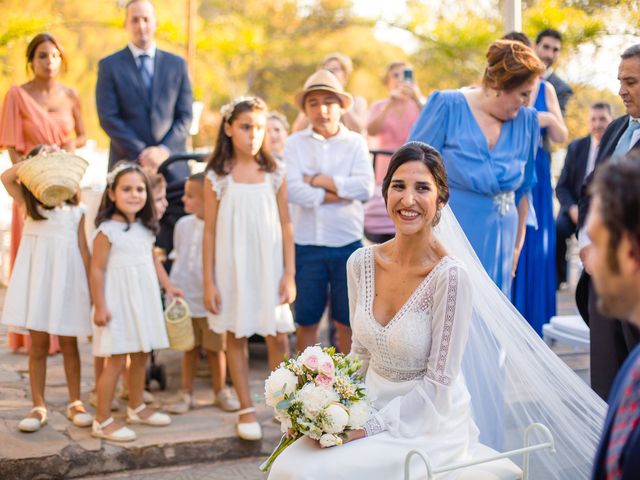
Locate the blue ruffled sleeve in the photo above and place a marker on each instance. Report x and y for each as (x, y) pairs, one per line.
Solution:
(530, 178)
(431, 126)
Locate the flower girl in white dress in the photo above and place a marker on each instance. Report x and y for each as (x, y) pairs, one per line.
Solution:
(248, 251)
(128, 317)
(48, 293)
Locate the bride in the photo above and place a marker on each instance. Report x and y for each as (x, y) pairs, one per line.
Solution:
(425, 317)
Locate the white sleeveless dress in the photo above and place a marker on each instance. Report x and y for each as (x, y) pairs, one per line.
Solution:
(412, 371)
(132, 293)
(249, 259)
(48, 291)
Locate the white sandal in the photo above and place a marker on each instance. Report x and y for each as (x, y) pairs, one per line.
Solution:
(123, 434)
(156, 419)
(79, 419)
(249, 430)
(33, 424)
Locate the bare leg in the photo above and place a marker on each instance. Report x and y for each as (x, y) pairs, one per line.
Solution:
(344, 337)
(106, 388)
(136, 378)
(71, 357)
(98, 366)
(238, 355)
(189, 365)
(307, 335)
(277, 348)
(38, 368)
(218, 367)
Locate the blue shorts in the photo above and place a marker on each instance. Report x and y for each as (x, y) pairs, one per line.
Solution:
(321, 272)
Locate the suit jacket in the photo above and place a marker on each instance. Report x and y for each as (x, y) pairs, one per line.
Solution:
(572, 176)
(607, 146)
(126, 114)
(563, 90)
(631, 452)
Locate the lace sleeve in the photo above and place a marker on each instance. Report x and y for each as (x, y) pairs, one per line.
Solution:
(278, 176)
(422, 407)
(218, 184)
(354, 272)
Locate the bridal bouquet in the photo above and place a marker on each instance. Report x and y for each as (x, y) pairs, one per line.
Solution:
(319, 394)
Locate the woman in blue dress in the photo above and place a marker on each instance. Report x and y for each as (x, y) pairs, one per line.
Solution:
(488, 138)
(534, 286)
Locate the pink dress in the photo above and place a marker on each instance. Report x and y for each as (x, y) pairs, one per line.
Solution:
(393, 135)
(25, 124)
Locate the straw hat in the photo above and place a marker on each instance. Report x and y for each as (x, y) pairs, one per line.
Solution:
(54, 177)
(326, 81)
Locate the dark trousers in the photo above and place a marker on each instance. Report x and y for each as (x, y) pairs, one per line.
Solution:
(564, 229)
(611, 342)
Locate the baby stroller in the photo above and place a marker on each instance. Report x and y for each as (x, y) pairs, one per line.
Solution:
(175, 171)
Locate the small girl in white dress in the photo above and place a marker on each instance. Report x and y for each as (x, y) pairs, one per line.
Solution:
(48, 294)
(248, 251)
(128, 317)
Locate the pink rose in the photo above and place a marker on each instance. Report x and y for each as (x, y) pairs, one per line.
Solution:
(327, 368)
(311, 362)
(324, 380)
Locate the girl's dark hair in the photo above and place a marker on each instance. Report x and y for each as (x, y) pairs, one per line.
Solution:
(147, 215)
(31, 204)
(221, 161)
(40, 39)
(427, 155)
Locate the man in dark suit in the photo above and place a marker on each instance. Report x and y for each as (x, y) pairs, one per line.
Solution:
(579, 162)
(143, 95)
(611, 340)
(614, 262)
(548, 46)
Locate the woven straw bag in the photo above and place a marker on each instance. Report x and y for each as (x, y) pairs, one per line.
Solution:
(53, 178)
(177, 318)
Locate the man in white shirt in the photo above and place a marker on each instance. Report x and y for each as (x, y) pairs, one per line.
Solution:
(578, 164)
(329, 175)
(611, 339)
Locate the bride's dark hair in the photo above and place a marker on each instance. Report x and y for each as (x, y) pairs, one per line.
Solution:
(426, 154)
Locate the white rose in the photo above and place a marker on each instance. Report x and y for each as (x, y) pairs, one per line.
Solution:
(315, 398)
(285, 421)
(281, 381)
(336, 418)
(310, 357)
(330, 440)
(359, 413)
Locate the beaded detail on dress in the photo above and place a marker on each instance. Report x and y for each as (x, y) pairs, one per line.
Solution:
(400, 350)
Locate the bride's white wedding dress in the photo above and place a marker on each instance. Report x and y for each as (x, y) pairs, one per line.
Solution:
(512, 379)
(412, 370)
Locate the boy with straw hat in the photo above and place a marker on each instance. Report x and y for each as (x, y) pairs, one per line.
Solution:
(329, 176)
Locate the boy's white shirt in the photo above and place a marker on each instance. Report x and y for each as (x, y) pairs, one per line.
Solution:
(186, 271)
(345, 157)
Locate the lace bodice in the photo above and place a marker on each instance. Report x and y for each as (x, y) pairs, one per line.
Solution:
(424, 341)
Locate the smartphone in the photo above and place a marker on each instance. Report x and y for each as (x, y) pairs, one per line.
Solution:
(408, 75)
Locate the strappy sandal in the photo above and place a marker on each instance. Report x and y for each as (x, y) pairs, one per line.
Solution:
(33, 424)
(123, 434)
(79, 419)
(249, 430)
(156, 419)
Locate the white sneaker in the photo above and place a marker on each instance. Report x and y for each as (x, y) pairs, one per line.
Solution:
(182, 403)
(79, 419)
(226, 401)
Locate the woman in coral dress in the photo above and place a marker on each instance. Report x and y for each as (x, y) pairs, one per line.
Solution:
(39, 112)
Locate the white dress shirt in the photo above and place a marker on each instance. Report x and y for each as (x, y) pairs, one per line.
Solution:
(591, 159)
(151, 52)
(345, 157)
(186, 271)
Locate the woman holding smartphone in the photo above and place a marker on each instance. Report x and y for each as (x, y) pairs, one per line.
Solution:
(390, 120)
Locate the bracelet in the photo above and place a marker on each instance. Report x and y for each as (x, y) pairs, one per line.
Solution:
(312, 179)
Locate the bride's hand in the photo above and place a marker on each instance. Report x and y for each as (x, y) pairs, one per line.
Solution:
(353, 435)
